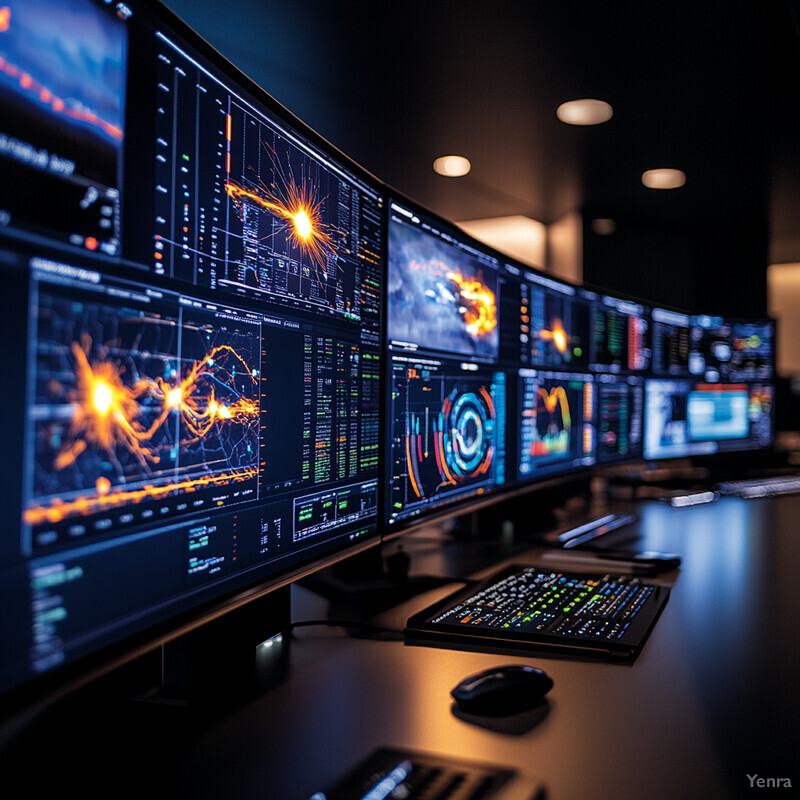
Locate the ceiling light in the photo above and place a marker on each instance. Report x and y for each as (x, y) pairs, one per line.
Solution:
(603, 226)
(663, 178)
(584, 112)
(452, 166)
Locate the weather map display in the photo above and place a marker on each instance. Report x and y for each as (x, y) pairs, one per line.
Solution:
(442, 292)
(61, 121)
(556, 422)
(244, 205)
(448, 433)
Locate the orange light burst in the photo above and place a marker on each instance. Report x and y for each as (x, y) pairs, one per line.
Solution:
(104, 408)
(5, 19)
(300, 213)
(558, 336)
(107, 413)
(479, 302)
(197, 403)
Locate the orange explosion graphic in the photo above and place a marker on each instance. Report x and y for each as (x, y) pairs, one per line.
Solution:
(107, 412)
(107, 415)
(299, 211)
(477, 299)
(479, 302)
(558, 336)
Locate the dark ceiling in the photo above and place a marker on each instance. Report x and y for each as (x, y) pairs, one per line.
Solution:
(712, 88)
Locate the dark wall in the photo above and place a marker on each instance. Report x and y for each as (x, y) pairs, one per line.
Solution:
(713, 269)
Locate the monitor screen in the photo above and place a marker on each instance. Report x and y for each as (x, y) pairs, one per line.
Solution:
(488, 381)
(446, 393)
(732, 349)
(684, 417)
(620, 336)
(669, 342)
(192, 283)
(710, 390)
(560, 335)
(556, 422)
(620, 417)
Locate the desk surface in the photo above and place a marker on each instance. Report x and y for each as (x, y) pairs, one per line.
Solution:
(712, 698)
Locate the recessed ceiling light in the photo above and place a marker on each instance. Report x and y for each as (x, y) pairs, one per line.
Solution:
(603, 226)
(584, 112)
(452, 166)
(663, 178)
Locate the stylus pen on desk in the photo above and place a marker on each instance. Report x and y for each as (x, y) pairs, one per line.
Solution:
(592, 530)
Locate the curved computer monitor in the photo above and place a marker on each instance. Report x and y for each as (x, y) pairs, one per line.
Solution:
(488, 381)
(711, 391)
(192, 290)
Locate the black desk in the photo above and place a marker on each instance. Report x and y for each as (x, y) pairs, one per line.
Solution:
(712, 698)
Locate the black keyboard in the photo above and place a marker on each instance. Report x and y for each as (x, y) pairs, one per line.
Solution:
(535, 607)
(551, 602)
(389, 773)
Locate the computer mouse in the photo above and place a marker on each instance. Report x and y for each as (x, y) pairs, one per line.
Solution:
(500, 691)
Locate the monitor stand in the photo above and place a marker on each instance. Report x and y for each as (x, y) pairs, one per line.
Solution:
(227, 658)
(368, 583)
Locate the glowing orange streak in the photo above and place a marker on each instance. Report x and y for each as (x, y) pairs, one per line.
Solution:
(213, 412)
(89, 505)
(488, 398)
(5, 19)
(484, 468)
(112, 425)
(44, 95)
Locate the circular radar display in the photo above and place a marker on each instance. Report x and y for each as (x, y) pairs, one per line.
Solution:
(467, 434)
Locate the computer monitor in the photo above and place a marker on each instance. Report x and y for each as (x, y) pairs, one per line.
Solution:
(620, 418)
(669, 342)
(719, 396)
(546, 344)
(620, 335)
(446, 390)
(689, 418)
(192, 297)
(488, 386)
(732, 349)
